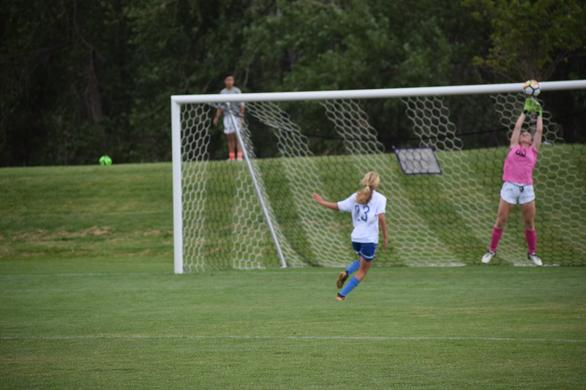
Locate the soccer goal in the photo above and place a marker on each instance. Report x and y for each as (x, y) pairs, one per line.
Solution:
(258, 213)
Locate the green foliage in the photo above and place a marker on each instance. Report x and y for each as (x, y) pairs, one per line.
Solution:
(529, 39)
(84, 78)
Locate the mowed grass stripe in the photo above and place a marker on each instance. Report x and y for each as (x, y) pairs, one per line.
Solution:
(295, 338)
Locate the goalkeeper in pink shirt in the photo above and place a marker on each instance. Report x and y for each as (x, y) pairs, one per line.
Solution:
(518, 182)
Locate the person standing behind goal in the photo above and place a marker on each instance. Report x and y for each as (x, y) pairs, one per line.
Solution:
(233, 115)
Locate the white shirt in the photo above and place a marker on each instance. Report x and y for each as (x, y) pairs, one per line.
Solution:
(364, 216)
(234, 106)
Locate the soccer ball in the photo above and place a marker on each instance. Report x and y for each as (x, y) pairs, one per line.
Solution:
(531, 88)
(105, 160)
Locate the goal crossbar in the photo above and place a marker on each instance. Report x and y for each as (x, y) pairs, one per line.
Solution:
(375, 93)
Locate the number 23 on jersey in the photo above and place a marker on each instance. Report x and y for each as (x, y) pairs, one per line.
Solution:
(361, 212)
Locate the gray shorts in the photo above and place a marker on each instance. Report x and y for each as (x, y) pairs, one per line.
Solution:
(229, 124)
(514, 193)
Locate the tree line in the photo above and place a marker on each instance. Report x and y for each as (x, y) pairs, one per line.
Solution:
(82, 78)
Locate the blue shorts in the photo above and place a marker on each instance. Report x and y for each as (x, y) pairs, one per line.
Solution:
(364, 249)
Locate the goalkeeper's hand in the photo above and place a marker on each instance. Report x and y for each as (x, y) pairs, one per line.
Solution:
(532, 105)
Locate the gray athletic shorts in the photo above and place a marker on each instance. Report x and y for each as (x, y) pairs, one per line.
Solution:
(514, 193)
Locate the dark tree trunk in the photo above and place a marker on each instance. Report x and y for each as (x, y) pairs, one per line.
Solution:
(93, 98)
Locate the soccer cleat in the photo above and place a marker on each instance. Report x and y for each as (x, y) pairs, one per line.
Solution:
(340, 298)
(342, 277)
(535, 259)
(488, 256)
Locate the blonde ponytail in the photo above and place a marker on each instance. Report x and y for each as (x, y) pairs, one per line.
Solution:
(363, 196)
(370, 181)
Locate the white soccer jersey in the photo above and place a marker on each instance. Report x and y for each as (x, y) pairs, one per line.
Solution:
(234, 106)
(365, 216)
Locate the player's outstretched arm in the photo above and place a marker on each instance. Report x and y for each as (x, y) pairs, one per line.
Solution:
(532, 105)
(383, 227)
(538, 136)
(517, 130)
(324, 203)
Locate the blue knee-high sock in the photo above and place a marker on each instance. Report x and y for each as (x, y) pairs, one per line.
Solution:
(353, 267)
(349, 286)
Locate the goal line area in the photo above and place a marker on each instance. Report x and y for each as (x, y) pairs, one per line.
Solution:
(258, 213)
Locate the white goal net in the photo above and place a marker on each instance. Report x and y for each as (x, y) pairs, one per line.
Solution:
(259, 213)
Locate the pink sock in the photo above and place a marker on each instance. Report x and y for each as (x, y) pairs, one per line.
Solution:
(531, 237)
(497, 233)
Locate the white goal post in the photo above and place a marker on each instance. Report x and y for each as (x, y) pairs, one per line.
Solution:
(190, 120)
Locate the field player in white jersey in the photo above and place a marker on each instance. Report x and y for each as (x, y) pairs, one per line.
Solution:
(368, 213)
(234, 123)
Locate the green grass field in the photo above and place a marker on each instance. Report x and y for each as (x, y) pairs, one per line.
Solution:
(88, 300)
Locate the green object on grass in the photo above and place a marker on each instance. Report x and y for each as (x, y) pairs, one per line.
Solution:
(105, 160)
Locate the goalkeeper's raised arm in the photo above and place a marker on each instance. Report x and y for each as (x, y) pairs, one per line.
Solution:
(520, 136)
(532, 106)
